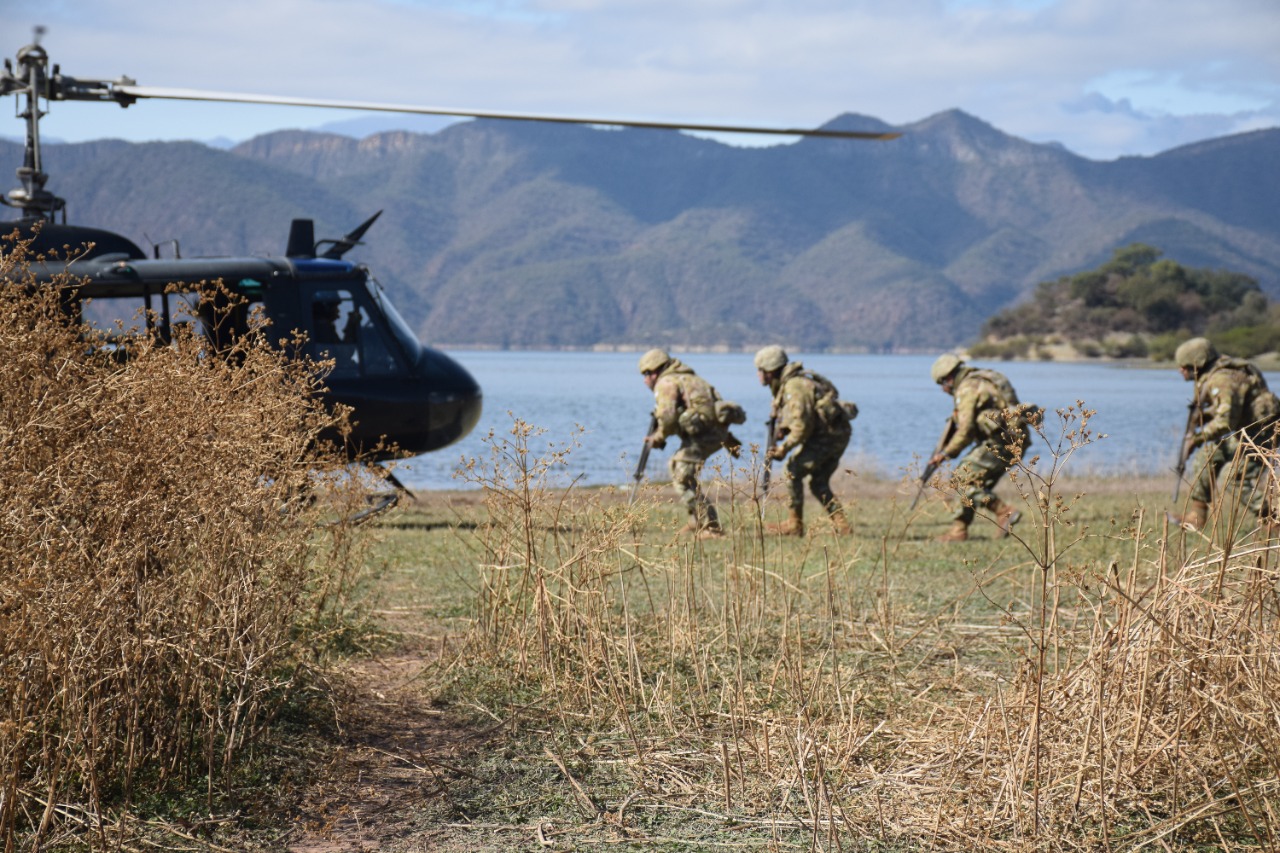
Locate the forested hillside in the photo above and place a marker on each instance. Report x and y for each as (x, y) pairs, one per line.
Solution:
(518, 235)
(1138, 304)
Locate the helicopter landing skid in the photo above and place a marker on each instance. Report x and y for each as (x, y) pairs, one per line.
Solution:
(376, 501)
(380, 502)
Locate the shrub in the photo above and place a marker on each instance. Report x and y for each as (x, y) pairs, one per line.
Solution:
(1248, 341)
(1162, 347)
(1006, 350)
(159, 562)
(1089, 349)
(1132, 346)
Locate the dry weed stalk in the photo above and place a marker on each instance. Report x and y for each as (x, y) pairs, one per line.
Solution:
(158, 567)
(781, 689)
(716, 681)
(1146, 710)
(1159, 728)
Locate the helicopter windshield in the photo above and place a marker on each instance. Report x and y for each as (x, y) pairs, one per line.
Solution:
(345, 330)
(399, 326)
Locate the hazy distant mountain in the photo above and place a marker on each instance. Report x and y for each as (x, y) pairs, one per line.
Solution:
(516, 234)
(359, 128)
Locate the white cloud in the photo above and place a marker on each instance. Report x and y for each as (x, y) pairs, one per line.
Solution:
(1104, 77)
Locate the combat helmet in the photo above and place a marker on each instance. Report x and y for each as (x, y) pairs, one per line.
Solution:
(771, 358)
(654, 360)
(946, 365)
(1196, 353)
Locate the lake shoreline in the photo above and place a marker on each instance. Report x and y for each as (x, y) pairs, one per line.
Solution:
(1058, 354)
(586, 413)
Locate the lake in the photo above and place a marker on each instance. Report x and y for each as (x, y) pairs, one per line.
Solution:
(1142, 411)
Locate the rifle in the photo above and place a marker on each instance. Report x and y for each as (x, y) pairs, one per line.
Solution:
(1185, 447)
(644, 458)
(770, 427)
(947, 431)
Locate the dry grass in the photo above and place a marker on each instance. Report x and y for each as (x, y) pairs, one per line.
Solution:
(1098, 682)
(162, 577)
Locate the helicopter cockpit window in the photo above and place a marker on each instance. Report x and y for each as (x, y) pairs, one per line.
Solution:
(399, 327)
(344, 330)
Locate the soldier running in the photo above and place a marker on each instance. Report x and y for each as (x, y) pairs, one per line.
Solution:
(685, 406)
(1231, 405)
(812, 427)
(987, 415)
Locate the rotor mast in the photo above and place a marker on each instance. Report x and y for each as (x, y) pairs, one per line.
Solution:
(31, 80)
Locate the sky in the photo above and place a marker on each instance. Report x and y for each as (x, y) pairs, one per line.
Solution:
(1105, 78)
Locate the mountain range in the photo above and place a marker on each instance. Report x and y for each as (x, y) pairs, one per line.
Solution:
(527, 235)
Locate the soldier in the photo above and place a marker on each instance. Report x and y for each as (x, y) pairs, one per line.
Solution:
(1231, 402)
(988, 416)
(324, 318)
(813, 426)
(685, 406)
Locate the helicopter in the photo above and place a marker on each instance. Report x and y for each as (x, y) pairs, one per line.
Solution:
(405, 398)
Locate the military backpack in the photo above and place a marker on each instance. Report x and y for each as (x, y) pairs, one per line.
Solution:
(1261, 405)
(1008, 402)
(729, 413)
(833, 411)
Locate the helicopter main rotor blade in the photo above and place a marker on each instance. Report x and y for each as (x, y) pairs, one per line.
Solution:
(280, 100)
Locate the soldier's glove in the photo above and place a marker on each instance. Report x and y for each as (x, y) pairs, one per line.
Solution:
(733, 445)
(656, 442)
(776, 453)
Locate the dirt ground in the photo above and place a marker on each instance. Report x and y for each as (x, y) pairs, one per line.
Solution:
(396, 755)
(394, 752)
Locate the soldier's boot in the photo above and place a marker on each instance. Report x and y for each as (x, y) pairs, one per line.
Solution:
(840, 523)
(711, 529)
(1270, 523)
(692, 525)
(793, 526)
(1006, 517)
(1197, 514)
(959, 532)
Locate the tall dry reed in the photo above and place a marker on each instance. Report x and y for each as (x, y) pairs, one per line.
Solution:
(160, 570)
(1147, 711)
(791, 687)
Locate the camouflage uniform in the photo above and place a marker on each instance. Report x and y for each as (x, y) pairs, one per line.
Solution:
(1222, 395)
(685, 406)
(982, 417)
(813, 432)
